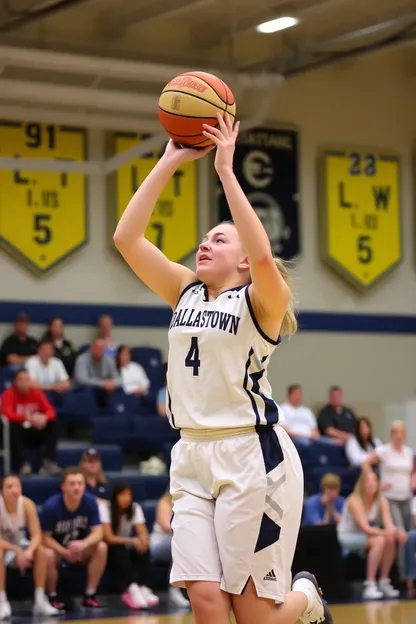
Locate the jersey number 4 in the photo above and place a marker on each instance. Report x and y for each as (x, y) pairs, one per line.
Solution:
(192, 359)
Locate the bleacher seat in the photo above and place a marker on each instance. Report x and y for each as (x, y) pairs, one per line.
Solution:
(116, 429)
(327, 454)
(78, 406)
(120, 403)
(149, 510)
(152, 361)
(153, 433)
(69, 454)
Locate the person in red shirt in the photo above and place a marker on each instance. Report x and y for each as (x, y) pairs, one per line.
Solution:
(32, 424)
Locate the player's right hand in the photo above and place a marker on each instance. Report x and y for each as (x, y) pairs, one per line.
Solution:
(181, 155)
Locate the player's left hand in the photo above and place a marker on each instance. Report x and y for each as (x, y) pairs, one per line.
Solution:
(224, 138)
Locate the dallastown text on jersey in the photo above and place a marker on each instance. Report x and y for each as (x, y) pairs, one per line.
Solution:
(189, 317)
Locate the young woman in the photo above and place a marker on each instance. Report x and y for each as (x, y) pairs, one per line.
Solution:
(92, 469)
(128, 555)
(18, 516)
(133, 376)
(236, 478)
(366, 525)
(397, 477)
(358, 448)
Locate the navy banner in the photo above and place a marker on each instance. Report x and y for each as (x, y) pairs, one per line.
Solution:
(266, 165)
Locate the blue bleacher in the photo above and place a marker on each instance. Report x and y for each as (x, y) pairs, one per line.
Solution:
(78, 406)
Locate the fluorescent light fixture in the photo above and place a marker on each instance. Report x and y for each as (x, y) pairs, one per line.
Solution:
(277, 24)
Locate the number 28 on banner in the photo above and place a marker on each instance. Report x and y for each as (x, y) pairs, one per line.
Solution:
(173, 227)
(360, 213)
(43, 214)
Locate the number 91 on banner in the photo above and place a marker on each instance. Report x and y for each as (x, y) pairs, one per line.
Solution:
(43, 214)
(360, 213)
(173, 227)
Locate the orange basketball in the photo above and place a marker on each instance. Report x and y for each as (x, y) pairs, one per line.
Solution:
(190, 100)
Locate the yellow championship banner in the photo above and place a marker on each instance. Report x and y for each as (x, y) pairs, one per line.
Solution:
(173, 227)
(43, 214)
(360, 211)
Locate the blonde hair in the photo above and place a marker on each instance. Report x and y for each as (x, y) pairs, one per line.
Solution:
(359, 486)
(398, 424)
(330, 481)
(100, 475)
(289, 324)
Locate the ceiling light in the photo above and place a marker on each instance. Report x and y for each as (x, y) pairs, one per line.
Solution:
(277, 24)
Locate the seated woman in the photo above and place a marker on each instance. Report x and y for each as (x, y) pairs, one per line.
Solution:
(92, 469)
(133, 376)
(18, 516)
(160, 544)
(358, 448)
(366, 526)
(128, 555)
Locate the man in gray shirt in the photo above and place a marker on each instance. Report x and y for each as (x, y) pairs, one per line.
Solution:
(97, 370)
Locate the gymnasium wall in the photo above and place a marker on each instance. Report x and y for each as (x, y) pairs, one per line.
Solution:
(371, 102)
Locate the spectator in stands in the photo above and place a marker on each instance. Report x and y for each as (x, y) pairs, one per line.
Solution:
(92, 469)
(336, 421)
(72, 532)
(160, 544)
(32, 424)
(358, 448)
(397, 476)
(133, 376)
(64, 349)
(326, 507)
(95, 369)
(17, 347)
(46, 371)
(105, 327)
(161, 397)
(128, 546)
(21, 545)
(299, 421)
(366, 526)
(411, 553)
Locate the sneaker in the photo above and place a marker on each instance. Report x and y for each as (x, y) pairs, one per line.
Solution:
(151, 599)
(371, 592)
(177, 598)
(50, 469)
(387, 589)
(44, 607)
(319, 612)
(57, 604)
(128, 600)
(91, 602)
(5, 610)
(25, 470)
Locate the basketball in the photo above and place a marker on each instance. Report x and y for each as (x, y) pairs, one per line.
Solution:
(190, 100)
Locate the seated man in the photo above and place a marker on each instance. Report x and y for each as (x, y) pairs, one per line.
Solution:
(94, 369)
(335, 420)
(32, 424)
(19, 519)
(18, 346)
(299, 421)
(72, 532)
(46, 371)
(325, 508)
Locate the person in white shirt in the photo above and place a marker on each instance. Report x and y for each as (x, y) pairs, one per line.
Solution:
(299, 421)
(397, 477)
(46, 371)
(128, 555)
(358, 448)
(133, 376)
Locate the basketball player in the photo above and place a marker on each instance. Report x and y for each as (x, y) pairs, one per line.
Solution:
(19, 519)
(236, 478)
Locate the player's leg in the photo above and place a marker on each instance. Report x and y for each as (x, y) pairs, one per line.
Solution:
(196, 564)
(96, 559)
(41, 605)
(5, 608)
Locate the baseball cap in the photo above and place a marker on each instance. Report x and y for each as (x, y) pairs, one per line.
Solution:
(90, 453)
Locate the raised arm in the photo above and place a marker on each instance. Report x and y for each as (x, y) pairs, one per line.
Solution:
(167, 279)
(269, 292)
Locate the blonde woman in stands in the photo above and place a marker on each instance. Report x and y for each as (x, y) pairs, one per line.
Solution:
(366, 526)
(397, 477)
(92, 469)
(19, 521)
(236, 477)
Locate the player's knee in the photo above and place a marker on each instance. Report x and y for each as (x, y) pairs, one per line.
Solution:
(206, 599)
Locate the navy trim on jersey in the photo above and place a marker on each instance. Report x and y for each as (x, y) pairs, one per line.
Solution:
(204, 286)
(271, 411)
(245, 386)
(186, 290)
(256, 323)
(172, 417)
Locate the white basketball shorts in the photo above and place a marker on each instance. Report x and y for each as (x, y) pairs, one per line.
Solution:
(237, 507)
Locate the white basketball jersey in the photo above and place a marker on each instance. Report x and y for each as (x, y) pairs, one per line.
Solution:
(217, 365)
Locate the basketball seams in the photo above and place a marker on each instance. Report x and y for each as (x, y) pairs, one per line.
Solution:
(210, 86)
(197, 97)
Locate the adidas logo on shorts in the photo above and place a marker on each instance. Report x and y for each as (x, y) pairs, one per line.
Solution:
(271, 576)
